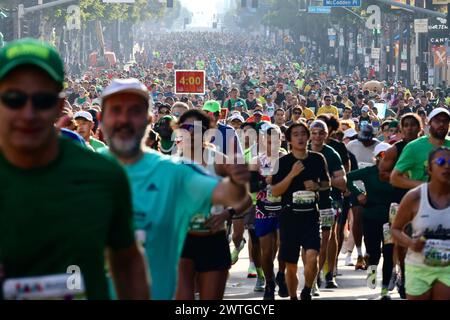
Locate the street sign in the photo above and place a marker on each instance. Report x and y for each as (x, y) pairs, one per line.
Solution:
(403, 66)
(420, 25)
(438, 31)
(342, 3)
(189, 81)
(440, 2)
(315, 9)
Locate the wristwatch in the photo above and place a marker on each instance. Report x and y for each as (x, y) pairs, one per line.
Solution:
(231, 211)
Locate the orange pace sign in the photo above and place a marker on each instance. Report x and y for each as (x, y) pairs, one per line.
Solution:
(189, 81)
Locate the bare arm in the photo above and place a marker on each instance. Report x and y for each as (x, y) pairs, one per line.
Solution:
(339, 180)
(406, 213)
(399, 180)
(387, 164)
(229, 194)
(129, 272)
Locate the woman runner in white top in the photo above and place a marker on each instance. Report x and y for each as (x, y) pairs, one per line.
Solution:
(427, 208)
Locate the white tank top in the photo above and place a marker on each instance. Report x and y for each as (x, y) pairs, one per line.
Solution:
(428, 222)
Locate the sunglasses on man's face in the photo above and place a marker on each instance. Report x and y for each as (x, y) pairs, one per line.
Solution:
(297, 113)
(15, 100)
(441, 161)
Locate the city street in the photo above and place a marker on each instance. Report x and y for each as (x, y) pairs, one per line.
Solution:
(352, 284)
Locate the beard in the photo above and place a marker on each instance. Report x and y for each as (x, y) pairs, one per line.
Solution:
(126, 148)
(438, 134)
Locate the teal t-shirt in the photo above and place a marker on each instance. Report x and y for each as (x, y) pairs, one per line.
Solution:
(166, 194)
(414, 158)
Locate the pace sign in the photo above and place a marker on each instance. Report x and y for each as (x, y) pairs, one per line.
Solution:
(189, 81)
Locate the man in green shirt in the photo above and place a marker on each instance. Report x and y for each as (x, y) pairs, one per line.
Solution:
(410, 170)
(85, 124)
(234, 97)
(45, 234)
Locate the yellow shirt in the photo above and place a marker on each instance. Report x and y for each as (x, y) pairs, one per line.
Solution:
(308, 114)
(331, 109)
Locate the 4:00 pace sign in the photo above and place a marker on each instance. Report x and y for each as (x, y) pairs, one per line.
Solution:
(190, 81)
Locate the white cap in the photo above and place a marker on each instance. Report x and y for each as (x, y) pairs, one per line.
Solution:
(382, 146)
(437, 111)
(84, 115)
(318, 124)
(236, 116)
(365, 109)
(266, 126)
(350, 133)
(131, 85)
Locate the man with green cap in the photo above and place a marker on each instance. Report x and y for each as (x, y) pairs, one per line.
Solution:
(224, 136)
(45, 239)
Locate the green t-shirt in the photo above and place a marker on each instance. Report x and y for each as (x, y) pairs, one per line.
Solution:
(64, 214)
(379, 193)
(414, 158)
(96, 144)
(166, 195)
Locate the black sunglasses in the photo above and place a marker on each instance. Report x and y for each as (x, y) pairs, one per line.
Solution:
(15, 100)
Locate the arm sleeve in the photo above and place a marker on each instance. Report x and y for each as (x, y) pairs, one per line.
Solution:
(121, 230)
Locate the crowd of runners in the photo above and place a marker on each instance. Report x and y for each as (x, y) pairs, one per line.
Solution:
(152, 194)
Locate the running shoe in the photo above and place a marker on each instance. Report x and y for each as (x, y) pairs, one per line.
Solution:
(349, 261)
(371, 278)
(281, 283)
(385, 294)
(330, 283)
(269, 291)
(251, 273)
(315, 291)
(259, 286)
(360, 264)
(236, 251)
(393, 280)
(305, 296)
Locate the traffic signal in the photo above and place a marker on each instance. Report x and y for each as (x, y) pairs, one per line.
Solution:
(169, 3)
(254, 4)
(25, 32)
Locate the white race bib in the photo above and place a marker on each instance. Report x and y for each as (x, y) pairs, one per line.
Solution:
(304, 197)
(53, 287)
(437, 253)
(327, 217)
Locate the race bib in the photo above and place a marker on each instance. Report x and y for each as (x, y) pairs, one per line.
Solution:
(393, 212)
(304, 197)
(387, 234)
(53, 287)
(437, 253)
(326, 217)
(197, 223)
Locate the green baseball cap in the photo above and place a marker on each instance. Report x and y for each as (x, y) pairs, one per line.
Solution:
(211, 106)
(31, 51)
